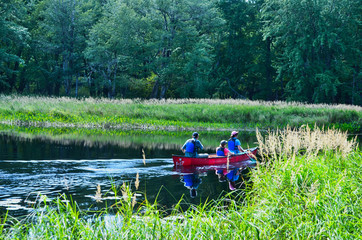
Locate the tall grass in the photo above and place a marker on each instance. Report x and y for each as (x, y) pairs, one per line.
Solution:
(289, 142)
(184, 114)
(303, 193)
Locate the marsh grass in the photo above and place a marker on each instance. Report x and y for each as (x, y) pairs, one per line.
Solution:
(302, 193)
(137, 182)
(184, 114)
(98, 195)
(287, 143)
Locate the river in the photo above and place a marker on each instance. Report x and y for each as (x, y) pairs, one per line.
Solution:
(34, 169)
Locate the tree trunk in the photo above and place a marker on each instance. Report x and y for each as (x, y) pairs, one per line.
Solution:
(66, 75)
(268, 72)
(57, 85)
(76, 86)
(114, 81)
(354, 82)
(155, 89)
(109, 88)
(91, 87)
(163, 91)
(15, 70)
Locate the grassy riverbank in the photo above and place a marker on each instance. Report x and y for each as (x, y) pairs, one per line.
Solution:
(187, 114)
(299, 191)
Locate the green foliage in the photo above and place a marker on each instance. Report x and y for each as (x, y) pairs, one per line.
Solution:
(13, 39)
(245, 70)
(307, 51)
(311, 45)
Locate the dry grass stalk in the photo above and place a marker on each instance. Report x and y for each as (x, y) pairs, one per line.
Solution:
(289, 142)
(11, 100)
(98, 195)
(134, 200)
(144, 157)
(260, 140)
(137, 182)
(124, 191)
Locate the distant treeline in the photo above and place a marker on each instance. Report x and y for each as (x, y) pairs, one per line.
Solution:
(298, 50)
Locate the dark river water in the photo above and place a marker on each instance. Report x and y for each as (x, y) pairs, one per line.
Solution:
(34, 169)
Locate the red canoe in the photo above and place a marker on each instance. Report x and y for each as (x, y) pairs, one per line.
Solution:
(212, 159)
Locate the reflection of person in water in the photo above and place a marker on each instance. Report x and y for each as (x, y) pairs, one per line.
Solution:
(231, 176)
(220, 175)
(192, 182)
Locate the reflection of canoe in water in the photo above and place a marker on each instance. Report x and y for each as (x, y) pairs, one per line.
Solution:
(206, 168)
(179, 160)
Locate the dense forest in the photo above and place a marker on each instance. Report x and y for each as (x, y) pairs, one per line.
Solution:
(295, 50)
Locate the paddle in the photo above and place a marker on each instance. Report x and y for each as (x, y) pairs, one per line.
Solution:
(252, 157)
(227, 162)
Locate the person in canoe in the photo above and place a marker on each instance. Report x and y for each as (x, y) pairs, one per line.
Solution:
(234, 144)
(222, 150)
(192, 146)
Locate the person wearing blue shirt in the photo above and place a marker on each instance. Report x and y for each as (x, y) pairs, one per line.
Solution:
(234, 144)
(192, 146)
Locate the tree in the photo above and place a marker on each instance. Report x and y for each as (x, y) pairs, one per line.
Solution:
(163, 43)
(301, 50)
(13, 38)
(60, 29)
(244, 58)
(117, 45)
(311, 44)
(185, 49)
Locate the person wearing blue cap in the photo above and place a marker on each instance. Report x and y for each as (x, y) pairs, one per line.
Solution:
(192, 146)
(222, 150)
